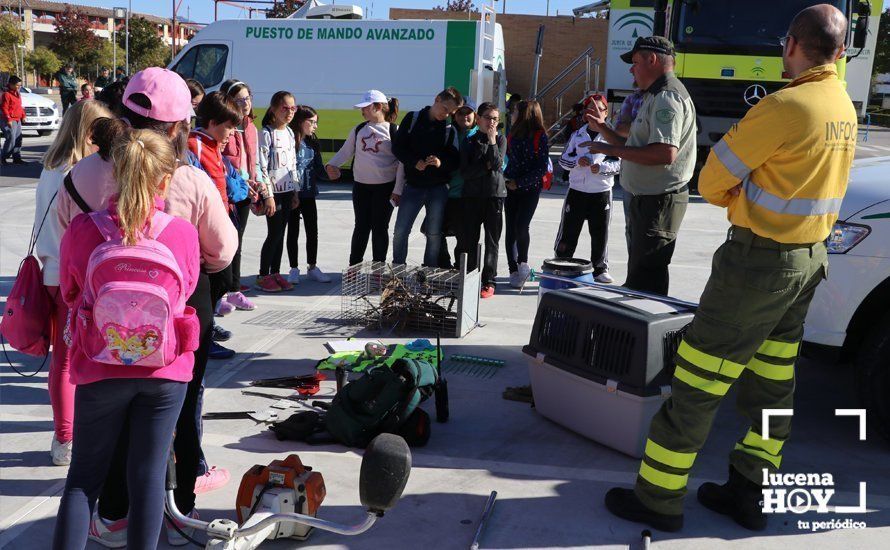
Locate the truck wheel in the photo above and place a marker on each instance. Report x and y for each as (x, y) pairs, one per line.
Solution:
(873, 376)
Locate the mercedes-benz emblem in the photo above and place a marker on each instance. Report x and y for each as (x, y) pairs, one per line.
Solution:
(754, 94)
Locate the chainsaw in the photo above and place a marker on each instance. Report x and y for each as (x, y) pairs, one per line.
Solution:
(282, 500)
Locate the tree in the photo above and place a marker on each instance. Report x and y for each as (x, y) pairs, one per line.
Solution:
(107, 56)
(12, 37)
(43, 61)
(146, 47)
(882, 50)
(75, 42)
(284, 9)
(458, 5)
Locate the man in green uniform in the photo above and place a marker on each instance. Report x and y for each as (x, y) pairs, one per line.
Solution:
(658, 157)
(782, 174)
(67, 87)
(103, 80)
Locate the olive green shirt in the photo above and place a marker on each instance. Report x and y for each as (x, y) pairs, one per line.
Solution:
(667, 115)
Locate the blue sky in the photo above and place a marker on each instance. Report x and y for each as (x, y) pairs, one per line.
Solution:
(202, 10)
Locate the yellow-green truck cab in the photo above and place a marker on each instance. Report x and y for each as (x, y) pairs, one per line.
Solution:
(728, 52)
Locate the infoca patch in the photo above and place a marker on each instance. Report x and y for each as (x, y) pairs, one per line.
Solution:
(665, 116)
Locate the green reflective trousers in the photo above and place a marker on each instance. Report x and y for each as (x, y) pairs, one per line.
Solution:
(747, 332)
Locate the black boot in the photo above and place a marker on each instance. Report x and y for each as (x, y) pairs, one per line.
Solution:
(625, 504)
(739, 498)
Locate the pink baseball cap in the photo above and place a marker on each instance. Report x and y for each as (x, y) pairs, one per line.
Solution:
(167, 91)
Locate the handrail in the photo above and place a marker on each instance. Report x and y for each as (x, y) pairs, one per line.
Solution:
(562, 116)
(574, 63)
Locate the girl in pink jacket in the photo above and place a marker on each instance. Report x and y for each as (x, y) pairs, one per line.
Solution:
(132, 344)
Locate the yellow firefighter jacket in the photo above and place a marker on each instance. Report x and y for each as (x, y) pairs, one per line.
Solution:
(791, 155)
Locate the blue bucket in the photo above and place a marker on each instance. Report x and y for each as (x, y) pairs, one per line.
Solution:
(577, 269)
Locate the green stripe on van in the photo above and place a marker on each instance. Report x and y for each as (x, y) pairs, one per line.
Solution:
(460, 54)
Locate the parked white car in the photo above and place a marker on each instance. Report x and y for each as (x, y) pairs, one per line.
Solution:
(41, 114)
(850, 313)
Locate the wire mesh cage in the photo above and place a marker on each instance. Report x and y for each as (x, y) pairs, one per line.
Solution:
(410, 299)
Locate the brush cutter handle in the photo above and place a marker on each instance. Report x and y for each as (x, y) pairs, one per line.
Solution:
(171, 471)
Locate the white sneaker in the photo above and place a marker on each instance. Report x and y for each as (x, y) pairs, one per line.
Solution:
(109, 535)
(61, 452)
(294, 276)
(174, 538)
(318, 275)
(524, 273)
(604, 278)
(515, 280)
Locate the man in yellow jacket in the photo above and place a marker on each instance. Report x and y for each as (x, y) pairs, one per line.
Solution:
(782, 174)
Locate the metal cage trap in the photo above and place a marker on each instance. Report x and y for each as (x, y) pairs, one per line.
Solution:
(410, 299)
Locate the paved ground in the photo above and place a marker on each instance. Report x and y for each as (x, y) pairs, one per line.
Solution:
(550, 481)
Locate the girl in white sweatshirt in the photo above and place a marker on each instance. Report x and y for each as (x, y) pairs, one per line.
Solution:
(72, 143)
(374, 173)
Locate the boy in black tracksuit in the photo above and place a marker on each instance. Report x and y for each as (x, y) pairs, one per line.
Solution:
(482, 167)
(424, 144)
(591, 178)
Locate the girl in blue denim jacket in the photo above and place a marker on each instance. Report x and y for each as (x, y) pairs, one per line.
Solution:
(310, 167)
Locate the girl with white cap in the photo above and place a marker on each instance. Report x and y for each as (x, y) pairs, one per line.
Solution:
(374, 171)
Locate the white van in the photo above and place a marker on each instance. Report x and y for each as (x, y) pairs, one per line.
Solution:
(329, 64)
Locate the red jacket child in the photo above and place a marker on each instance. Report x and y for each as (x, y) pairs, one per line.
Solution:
(208, 152)
(11, 105)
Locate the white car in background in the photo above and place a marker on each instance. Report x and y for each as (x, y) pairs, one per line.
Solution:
(850, 313)
(41, 114)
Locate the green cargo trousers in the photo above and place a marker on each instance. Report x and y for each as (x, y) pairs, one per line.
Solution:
(747, 331)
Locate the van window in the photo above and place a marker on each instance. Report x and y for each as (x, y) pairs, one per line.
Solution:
(206, 63)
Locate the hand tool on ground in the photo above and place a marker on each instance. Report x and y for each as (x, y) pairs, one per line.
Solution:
(288, 397)
(281, 500)
(486, 513)
(257, 416)
(307, 384)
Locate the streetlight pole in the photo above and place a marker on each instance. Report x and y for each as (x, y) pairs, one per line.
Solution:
(127, 42)
(119, 13)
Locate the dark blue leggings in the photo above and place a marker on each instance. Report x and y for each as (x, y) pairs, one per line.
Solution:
(150, 406)
(519, 209)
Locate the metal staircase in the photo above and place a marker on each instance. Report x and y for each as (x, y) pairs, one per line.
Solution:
(488, 18)
(566, 80)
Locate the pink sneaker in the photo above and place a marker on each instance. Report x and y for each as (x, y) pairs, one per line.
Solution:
(224, 307)
(109, 535)
(241, 302)
(214, 479)
(174, 537)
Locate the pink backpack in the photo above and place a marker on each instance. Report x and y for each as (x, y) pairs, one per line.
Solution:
(29, 307)
(133, 310)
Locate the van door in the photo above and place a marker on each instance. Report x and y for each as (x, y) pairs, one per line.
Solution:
(208, 63)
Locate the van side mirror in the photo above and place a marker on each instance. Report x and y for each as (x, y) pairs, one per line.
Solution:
(861, 32)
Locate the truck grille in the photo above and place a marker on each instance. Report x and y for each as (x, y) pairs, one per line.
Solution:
(725, 98)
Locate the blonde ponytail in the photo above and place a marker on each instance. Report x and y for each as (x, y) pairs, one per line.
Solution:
(141, 158)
